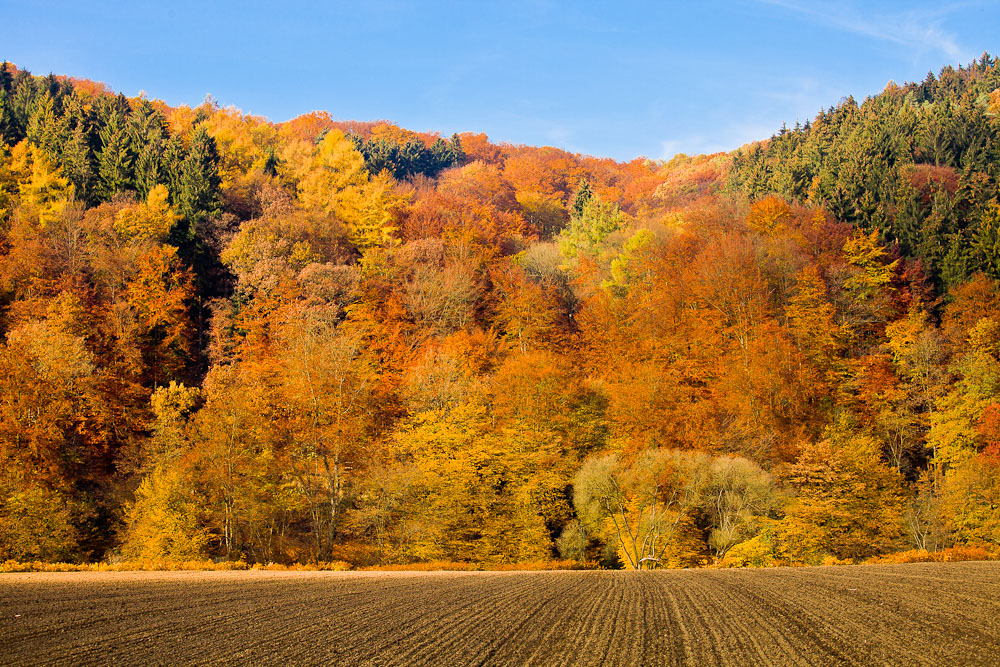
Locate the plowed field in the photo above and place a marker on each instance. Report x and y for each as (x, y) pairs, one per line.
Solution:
(920, 614)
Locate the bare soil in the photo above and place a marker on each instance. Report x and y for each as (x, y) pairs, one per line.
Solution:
(915, 614)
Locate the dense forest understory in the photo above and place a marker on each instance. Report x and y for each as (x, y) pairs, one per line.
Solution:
(227, 338)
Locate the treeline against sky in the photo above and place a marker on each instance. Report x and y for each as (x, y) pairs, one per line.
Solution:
(919, 163)
(311, 341)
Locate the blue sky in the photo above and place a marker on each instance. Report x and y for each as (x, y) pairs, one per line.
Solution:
(603, 78)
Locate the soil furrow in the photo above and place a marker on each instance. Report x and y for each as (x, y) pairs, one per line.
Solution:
(920, 614)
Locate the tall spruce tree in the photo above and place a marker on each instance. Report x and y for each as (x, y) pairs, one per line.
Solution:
(76, 163)
(197, 200)
(6, 117)
(78, 153)
(172, 165)
(6, 80)
(22, 105)
(457, 152)
(114, 163)
(147, 136)
(198, 195)
(48, 129)
(6, 83)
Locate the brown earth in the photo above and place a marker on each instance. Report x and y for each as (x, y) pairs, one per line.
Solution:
(916, 614)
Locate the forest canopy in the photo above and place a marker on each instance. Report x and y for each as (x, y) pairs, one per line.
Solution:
(319, 340)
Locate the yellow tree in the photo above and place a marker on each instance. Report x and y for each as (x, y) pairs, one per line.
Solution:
(917, 351)
(868, 287)
(245, 142)
(336, 171)
(848, 503)
(164, 519)
(477, 493)
(11, 174)
(336, 182)
(373, 215)
(966, 470)
(326, 383)
(45, 192)
(149, 221)
(236, 459)
(811, 317)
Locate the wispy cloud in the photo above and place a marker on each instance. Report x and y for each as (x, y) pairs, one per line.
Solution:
(917, 29)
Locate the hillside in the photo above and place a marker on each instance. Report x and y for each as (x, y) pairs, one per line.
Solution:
(918, 162)
(318, 340)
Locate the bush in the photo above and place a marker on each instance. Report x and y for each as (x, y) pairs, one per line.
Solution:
(430, 566)
(36, 524)
(542, 565)
(758, 551)
(146, 565)
(950, 555)
(324, 566)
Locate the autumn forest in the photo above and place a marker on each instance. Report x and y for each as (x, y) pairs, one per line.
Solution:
(316, 341)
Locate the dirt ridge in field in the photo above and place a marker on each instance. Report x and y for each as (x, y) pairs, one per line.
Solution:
(914, 614)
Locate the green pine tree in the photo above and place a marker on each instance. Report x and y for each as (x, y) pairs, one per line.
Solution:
(271, 163)
(22, 105)
(6, 80)
(147, 136)
(198, 194)
(114, 163)
(986, 241)
(171, 166)
(457, 152)
(76, 163)
(48, 130)
(580, 199)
